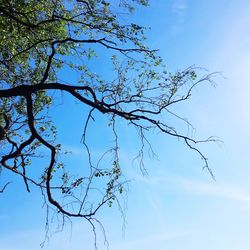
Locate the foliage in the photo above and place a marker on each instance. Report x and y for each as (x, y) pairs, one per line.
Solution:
(43, 40)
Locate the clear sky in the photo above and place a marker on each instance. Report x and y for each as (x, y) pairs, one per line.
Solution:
(177, 206)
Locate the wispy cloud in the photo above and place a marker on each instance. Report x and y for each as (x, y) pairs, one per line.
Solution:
(221, 190)
(227, 191)
(152, 241)
(179, 8)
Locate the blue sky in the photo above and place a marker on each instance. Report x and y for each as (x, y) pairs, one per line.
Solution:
(177, 206)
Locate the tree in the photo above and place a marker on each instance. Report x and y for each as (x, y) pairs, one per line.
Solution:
(42, 41)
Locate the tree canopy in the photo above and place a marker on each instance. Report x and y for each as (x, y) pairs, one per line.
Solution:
(42, 41)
